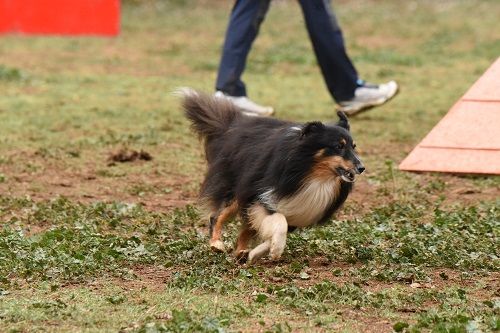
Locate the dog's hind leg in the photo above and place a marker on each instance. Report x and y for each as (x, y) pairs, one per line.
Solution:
(216, 224)
(246, 235)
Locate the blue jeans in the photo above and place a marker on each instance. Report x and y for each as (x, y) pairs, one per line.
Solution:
(338, 71)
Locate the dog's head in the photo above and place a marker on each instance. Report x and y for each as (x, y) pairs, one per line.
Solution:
(333, 149)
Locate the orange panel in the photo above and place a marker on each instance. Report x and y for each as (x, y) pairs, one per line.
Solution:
(467, 139)
(453, 160)
(487, 88)
(473, 125)
(61, 17)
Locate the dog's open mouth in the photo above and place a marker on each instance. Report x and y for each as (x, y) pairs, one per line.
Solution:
(346, 175)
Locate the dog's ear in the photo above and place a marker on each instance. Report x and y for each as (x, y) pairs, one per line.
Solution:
(343, 121)
(312, 127)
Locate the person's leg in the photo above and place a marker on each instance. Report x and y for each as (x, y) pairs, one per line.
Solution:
(338, 71)
(244, 23)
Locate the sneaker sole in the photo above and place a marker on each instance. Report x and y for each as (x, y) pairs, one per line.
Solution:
(361, 107)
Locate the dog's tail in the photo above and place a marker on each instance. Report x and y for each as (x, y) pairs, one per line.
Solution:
(210, 116)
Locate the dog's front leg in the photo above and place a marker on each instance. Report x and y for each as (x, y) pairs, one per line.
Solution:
(273, 230)
(278, 239)
(259, 251)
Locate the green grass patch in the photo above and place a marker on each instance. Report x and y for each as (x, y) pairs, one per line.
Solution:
(390, 245)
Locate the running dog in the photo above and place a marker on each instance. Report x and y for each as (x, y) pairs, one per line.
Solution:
(276, 175)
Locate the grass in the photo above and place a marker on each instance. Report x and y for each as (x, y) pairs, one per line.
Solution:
(100, 243)
(89, 245)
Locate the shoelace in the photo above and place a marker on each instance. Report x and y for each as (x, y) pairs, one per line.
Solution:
(362, 83)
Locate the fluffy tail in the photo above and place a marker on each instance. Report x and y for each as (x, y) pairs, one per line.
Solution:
(210, 116)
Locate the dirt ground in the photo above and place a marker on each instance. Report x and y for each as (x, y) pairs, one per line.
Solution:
(85, 183)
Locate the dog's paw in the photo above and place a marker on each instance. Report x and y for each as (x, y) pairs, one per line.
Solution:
(278, 244)
(242, 256)
(217, 246)
(276, 255)
(252, 258)
(258, 252)
(276, 250)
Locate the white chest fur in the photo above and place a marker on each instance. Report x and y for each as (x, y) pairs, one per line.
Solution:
(309, 204)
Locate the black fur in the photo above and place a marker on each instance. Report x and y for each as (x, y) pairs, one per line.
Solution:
(211, 224)
(248, 155)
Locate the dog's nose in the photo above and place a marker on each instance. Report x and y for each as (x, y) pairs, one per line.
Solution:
(360, 168)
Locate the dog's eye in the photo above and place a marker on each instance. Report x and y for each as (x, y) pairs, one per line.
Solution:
(340, 146)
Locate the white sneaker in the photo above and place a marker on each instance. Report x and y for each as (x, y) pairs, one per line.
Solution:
(247, 106)
(369, 95)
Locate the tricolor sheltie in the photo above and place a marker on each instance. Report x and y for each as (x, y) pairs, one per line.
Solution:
(277, 175)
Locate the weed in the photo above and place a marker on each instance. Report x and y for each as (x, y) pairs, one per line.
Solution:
(462, 238)
(11, 74)
(183, 321)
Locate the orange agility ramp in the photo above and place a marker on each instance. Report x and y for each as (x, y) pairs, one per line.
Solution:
(60, 17)
(467, 139)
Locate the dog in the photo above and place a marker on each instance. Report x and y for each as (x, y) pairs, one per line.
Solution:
(276, 175)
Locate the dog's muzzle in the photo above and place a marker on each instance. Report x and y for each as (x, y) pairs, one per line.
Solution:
(349, 176)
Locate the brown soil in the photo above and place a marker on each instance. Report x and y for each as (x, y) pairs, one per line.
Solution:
(43, 178)
(129, 155)
(149, 277)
